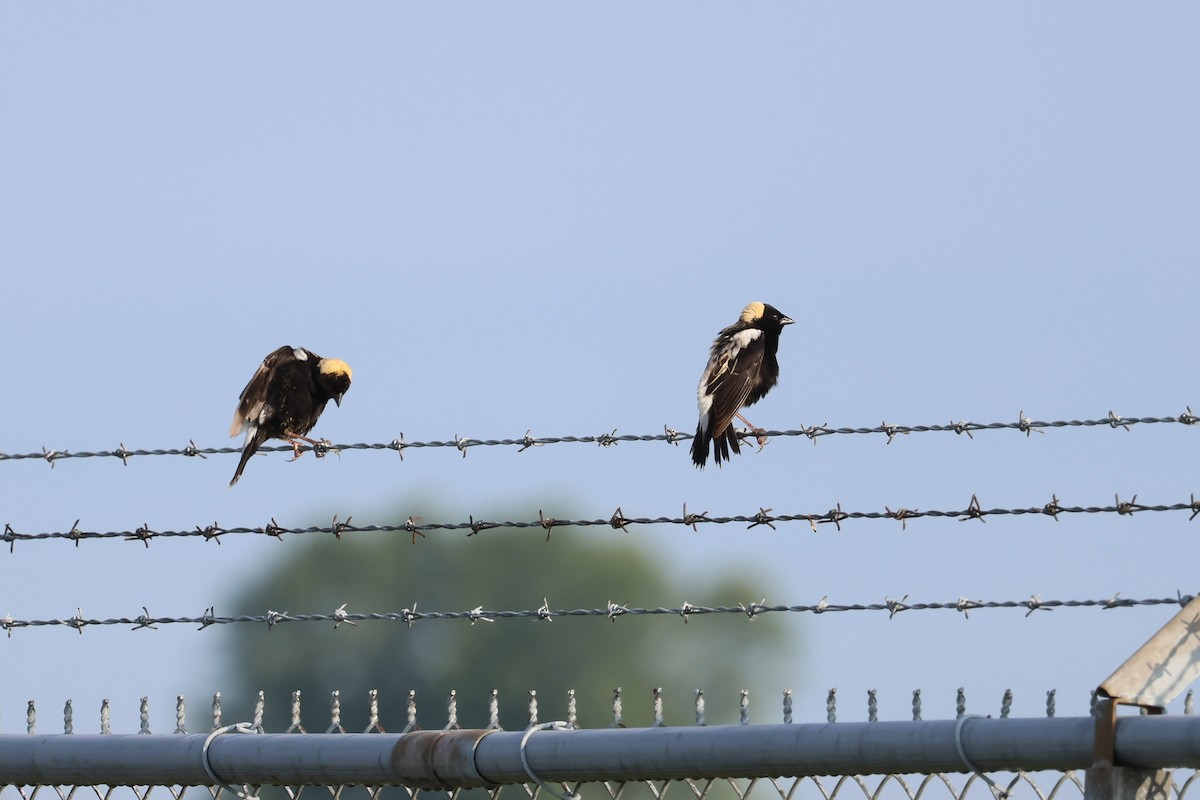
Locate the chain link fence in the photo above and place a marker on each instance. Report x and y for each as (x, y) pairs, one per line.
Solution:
(971, 756)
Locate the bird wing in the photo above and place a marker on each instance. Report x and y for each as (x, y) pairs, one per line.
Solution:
(254, 396)
(735, 367)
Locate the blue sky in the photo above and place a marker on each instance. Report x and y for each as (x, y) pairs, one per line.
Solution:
(519, 216)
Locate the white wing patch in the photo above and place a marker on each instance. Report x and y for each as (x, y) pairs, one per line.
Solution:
(743, 338)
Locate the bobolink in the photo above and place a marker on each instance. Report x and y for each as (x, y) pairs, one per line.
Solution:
(741, 369)
(285, 398)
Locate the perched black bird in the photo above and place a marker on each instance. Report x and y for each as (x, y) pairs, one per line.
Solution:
(741, 369)
(285, 398)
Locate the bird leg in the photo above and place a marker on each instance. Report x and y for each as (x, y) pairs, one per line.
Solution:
(760, 434)
(295, 439)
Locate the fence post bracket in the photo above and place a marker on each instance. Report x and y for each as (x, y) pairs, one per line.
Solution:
(1149, 679)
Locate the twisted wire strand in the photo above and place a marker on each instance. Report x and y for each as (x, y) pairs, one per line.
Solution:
(670, 435)
(763, 517)
(612, 611)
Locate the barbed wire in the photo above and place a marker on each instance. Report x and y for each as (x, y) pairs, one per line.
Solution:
(611, 611)
(763, 517)
(669, 435)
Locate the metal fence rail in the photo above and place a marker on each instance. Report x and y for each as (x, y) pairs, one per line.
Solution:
(487, 758)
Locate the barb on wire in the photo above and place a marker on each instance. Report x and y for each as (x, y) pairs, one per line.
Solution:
(618, 520)
(751, 611)
(670, 435)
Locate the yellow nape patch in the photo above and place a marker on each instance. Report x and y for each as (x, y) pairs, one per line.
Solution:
(753, 312)
(335, 366)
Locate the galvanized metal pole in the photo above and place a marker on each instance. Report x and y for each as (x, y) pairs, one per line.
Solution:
(474, 758)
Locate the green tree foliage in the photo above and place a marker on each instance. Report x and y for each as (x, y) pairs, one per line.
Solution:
(498, 570)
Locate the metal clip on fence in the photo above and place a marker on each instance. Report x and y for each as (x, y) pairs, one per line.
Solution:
(545, 726)
(241, 727)
(1003, 794)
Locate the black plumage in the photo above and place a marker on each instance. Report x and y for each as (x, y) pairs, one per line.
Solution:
(285, 399)
(741, 369)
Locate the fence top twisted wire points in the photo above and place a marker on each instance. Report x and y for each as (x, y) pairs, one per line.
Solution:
(607, 440)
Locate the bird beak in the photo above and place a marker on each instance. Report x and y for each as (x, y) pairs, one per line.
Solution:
(786, 321)
(337, 398)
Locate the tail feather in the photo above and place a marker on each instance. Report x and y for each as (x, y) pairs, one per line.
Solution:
(700, 445)
(252, 445)
(723, 443)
